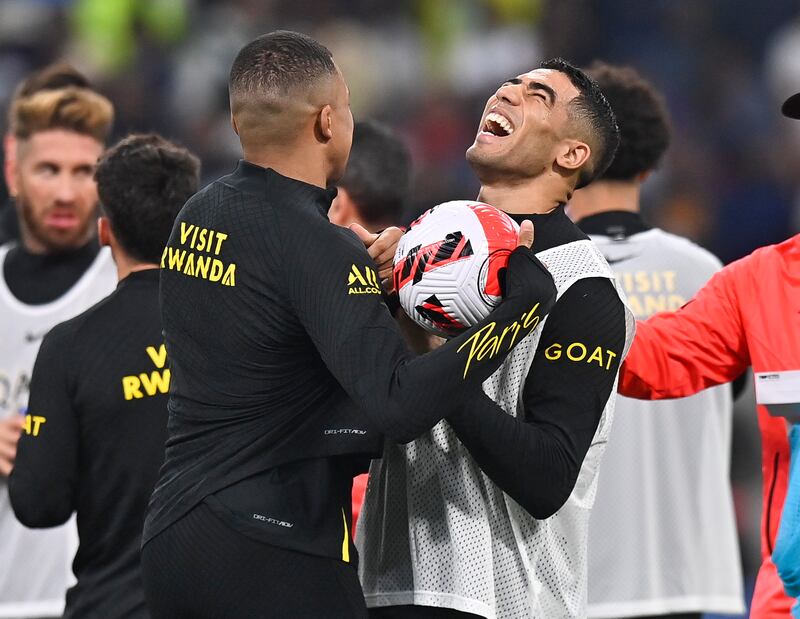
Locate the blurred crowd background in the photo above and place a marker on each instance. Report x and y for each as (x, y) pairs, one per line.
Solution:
(731, 180)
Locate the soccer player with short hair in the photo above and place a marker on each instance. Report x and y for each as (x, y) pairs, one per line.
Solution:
(487, 514)
(99, 388)
(55, 271)
(662, 536)
(287, 367)
(374, 188)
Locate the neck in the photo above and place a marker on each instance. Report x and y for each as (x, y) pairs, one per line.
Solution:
(34, 246)
(127, 265)
(604, 196)
(301, 164)
(530, 196)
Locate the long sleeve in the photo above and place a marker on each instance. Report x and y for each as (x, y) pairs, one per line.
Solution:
(337, 298)
(43, 481)
(676, 354)
(535, 459)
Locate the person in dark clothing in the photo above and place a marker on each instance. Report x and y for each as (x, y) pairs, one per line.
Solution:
(99, 388)
(287, 366)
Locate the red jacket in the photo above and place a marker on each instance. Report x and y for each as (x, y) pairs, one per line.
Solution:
(747, 315)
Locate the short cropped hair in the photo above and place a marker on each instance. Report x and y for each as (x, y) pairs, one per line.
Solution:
(378, 174)
(73, 109)
(592, 107)
(642, 117)
(276, 64)
(143, 181)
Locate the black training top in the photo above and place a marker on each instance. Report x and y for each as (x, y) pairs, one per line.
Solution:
(536, 458)
(35, 279)
(98, 404)
(285, 359)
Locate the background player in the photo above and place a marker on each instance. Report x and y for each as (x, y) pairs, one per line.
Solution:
(463, 520)
(285, 361)
(744, 316)
(662, 536)
(56, 271)
(99, 388)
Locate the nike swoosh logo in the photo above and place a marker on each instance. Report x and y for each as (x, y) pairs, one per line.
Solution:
(623, 259)
(32, 337)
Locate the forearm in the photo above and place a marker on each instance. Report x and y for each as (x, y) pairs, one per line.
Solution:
(37, 502)
(529, 462)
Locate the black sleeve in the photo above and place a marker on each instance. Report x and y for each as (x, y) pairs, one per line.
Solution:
(337, 298)
(44, 478)
(536, 460)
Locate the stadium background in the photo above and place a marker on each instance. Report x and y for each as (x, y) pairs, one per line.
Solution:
(425, 67)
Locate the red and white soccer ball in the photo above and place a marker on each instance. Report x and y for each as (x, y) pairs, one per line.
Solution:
(448, 266)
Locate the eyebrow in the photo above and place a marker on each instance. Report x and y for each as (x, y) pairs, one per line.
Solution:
(551, 94)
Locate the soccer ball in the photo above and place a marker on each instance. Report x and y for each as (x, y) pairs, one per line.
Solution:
(450, 264)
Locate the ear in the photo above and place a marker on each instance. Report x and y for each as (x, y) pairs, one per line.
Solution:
(104, 233)
(342, 211)
(234, 125)
(10, 163)
(325, 123)
(573, 154)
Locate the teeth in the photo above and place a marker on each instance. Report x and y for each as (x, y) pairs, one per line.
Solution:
(500, 120)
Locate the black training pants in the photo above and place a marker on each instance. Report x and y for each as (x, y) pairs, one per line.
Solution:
(199, 568)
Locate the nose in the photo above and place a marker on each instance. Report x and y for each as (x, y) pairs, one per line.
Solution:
(67, 190)
(508, 93)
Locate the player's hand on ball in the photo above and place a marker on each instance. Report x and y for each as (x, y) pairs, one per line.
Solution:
(526, 275)
(10, 431)
(381, 248)
(525, 238)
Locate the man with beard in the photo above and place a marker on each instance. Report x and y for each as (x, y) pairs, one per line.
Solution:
(487, 515)
(56, 271)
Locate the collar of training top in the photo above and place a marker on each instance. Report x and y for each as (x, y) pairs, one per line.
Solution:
(615, 224)
(253, 177)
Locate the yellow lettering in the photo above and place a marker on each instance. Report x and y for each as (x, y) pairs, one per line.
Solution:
(201, 268)
(669, 280)
(653, 304)
(216, 271)
(163, 258)
(611, 356)
(531, 319)
(26, 425)
(628, 279)
(656, 281)
(176, 257)
(489, 347)
(201, 244)
(158, 357)
(156, 382)
(221, 236)
(642, 281)
(576, 345)
(597, 355)
(194, 237)
(189, 268)
(636, 306)
(675, 301)
(185, 231)
(553, 352)
(229, 279)
(131, 387)
(356, 274)
(473, 341)
(37, 421)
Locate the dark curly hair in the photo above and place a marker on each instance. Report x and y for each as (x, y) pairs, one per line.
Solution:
(642, 117)
(143, 181)
(591, 107)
